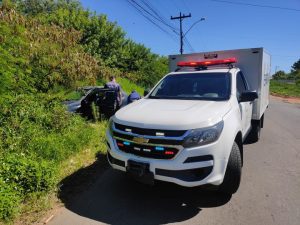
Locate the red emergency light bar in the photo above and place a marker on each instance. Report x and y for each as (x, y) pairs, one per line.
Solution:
(206, 63)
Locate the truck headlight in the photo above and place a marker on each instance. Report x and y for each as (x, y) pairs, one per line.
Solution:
(203, 136)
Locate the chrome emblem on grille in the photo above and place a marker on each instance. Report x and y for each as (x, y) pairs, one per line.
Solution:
(140, 140)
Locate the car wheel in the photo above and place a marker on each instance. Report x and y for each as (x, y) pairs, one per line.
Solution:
(254, 134)
(233, 172)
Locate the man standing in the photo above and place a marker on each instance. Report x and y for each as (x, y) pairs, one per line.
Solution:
(114, 86)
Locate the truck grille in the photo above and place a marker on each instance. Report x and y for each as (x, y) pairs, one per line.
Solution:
(156, 152)
(164, 141)
(150, 132)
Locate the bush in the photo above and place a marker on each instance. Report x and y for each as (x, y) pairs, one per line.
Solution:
(21, 175)
(36, 135)
(41, 125)
(9, 201)
(27, 174)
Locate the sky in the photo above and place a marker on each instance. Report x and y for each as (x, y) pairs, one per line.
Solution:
(226, 26)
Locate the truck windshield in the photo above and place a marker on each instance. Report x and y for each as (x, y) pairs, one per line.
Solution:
(194, 86)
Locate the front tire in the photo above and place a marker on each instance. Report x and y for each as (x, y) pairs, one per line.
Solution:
(233, 172)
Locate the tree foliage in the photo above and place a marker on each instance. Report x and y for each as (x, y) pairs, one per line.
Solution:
(14, 64)
(293, 75)
(280, 75)
(296, 66)
(101, 38)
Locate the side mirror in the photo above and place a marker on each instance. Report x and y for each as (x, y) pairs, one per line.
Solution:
(248, 96)
(146, 92)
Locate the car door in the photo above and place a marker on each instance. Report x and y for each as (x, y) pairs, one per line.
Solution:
(245, 107)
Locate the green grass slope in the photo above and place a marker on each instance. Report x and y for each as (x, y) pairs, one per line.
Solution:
(285, 89)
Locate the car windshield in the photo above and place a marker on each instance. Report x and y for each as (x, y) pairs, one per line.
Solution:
(194, 86)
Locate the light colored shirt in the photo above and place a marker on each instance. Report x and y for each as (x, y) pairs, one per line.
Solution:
(115, 87)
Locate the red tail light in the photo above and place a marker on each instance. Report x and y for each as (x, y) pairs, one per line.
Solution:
(207, 63)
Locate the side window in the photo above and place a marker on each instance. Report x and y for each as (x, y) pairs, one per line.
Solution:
(240, 84)
(160, 89)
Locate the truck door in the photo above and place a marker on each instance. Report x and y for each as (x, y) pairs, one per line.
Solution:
(245, 107)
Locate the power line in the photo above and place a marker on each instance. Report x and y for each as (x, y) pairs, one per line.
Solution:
(164, 8)
(153, 16)
(149, 12)
(256, 5)
(189, 44)
(158, 14)
(150, 20)
(152, 9)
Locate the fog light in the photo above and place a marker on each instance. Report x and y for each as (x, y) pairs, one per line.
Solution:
(159, 148)
(126, 143)
(169, 153)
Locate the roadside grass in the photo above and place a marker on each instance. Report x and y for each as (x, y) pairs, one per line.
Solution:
(37, 206)
(128, 86)
(43, 143)
(88, 155)
(74, 95)
(284, 89)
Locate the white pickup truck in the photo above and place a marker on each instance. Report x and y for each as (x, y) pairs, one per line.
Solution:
(190, 128)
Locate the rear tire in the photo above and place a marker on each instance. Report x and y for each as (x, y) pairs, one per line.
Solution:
(254, 134)
(233, 172)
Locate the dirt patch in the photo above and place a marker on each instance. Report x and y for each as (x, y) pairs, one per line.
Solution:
(293, 100)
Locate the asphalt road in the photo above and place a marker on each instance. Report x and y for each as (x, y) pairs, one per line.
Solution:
(269, 191)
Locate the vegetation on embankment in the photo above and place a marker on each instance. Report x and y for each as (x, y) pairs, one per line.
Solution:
(47, 49)
(287, 84)
(285, 89)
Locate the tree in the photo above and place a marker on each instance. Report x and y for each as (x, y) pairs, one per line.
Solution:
(296, 66)
(35, 7)
(279, 75)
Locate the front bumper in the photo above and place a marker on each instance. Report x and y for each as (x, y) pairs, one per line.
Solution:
(191, 167)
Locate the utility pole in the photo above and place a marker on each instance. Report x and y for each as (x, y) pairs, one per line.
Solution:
(180, 18)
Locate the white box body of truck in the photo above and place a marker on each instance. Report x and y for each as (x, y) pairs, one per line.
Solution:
(255, 63)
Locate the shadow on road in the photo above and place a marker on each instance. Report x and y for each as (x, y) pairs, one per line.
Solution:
(114, 198)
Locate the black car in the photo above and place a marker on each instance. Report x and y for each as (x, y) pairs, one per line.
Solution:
(103, 98)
